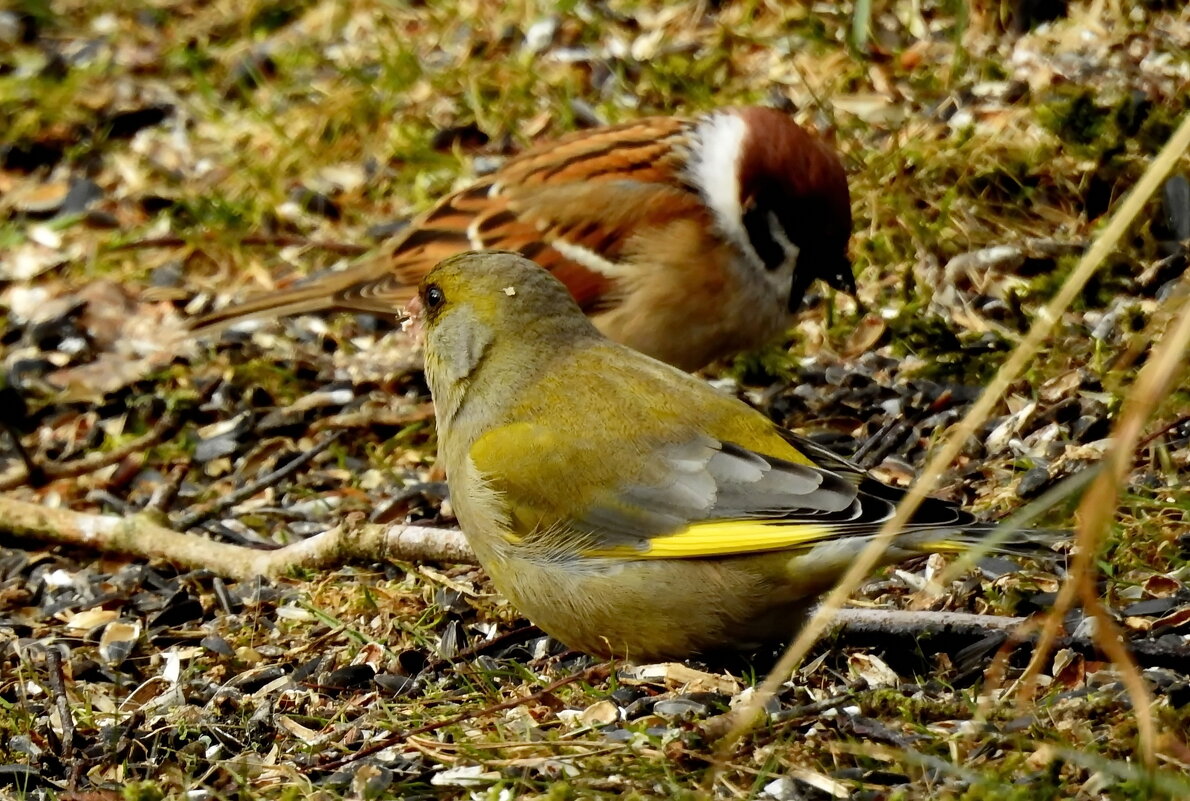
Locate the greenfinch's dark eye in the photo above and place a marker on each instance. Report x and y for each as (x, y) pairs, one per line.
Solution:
(434, 297)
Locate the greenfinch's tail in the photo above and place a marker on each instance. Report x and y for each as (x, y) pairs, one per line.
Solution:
(993, 537)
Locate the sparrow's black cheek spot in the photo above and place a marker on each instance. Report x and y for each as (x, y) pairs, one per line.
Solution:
(802, 278)
(758, 223)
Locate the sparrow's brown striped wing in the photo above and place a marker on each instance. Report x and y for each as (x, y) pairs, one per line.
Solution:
(575, 206)
(648, 150)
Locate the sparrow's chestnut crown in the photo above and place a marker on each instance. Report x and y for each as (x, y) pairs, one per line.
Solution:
(793, 189)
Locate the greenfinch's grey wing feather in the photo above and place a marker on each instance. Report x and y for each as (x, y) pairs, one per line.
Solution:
(753, 485)
(703, 478)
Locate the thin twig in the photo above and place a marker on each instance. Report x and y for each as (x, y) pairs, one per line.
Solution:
(912, 623)
(33, 473)
(97, 461)
(204, 513)
(1098, 508)
(913, 626)
(61, 701)
(164, 494)
(372, 418)
(1144, 443)
(143, 537)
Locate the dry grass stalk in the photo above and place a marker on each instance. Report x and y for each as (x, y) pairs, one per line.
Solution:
(1104, 245)
(1096, 512)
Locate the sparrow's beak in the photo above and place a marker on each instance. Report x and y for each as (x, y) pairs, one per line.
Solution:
(842, 278)
(838, 276)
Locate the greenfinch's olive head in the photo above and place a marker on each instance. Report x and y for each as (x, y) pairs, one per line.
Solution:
(478, 302)
(496, 287)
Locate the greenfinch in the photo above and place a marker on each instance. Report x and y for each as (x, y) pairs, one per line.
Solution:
(627, 508)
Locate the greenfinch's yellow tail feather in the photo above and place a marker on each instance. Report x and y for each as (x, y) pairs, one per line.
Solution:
(997, 539)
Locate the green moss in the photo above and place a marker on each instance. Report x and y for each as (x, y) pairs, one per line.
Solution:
(957, 356)
(1075, 117)
(266, 17)
(1048, 786)
(142, 791)
(890, 703)
(217, 212)
(763, 366)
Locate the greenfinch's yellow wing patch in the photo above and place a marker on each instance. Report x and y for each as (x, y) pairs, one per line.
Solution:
(724, 538)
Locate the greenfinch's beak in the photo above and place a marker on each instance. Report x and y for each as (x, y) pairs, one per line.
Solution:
(413, 320)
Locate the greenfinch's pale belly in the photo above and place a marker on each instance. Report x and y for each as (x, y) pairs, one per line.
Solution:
(653, 610)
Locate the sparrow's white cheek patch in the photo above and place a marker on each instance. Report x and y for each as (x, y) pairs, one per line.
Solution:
(715, 170)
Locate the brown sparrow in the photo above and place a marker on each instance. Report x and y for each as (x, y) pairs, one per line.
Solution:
(684, 238)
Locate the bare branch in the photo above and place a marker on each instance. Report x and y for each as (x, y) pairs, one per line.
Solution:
(143, 536)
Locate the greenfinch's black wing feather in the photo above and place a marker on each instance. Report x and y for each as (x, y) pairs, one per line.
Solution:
(932, 511)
